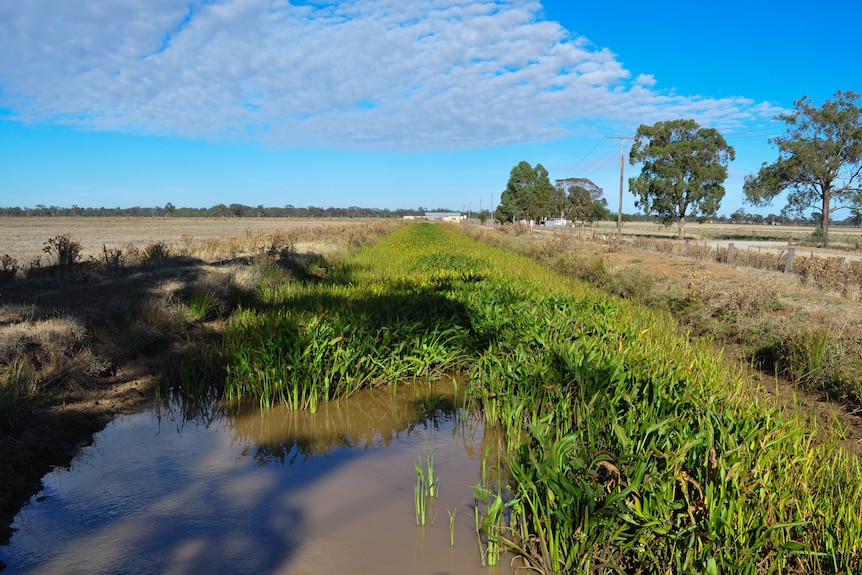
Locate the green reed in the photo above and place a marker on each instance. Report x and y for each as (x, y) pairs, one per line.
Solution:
(433, 480)
(656, 455)
(203, 304)
(420, 494)
(453, 515)
(630, 450)
(427, 484)
(490, 510)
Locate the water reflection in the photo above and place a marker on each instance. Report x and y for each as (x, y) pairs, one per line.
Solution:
(368, 420)
(275, 492)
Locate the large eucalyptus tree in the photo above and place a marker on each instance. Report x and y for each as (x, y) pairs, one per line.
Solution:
(528, 194)
(683, 171)
(819, 160)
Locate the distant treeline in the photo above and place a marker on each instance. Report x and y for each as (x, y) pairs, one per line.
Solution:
(217, 211)
(241, 211)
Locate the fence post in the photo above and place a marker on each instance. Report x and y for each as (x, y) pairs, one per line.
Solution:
(789, 265)
(730, 253)
(687, 246)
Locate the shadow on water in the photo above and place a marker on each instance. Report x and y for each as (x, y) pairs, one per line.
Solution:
(263, 492)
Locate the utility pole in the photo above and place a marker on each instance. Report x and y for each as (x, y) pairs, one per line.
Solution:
(620, 212)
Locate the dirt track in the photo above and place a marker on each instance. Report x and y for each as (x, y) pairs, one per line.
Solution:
(777, 247)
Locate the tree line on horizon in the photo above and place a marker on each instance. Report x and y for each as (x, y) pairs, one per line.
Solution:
(596, 210)
(217, 211)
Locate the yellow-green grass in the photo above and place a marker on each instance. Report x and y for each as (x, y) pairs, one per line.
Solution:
(631, 449)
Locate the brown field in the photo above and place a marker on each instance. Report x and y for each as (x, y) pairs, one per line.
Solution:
(24, 238)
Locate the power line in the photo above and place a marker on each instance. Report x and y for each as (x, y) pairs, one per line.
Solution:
(590, 152)
(597, 163)
(620, 212)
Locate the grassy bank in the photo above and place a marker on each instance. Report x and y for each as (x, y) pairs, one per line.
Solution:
(631, 449)
(809, 336)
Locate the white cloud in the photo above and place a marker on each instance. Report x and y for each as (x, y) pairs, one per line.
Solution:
(645, 80)
(361, 74)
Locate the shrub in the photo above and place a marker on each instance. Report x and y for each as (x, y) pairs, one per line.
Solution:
(699, 286)
(112, 257)
(158, 316)
(156, 251)
(64, 250)
(814, 358)
(817, 236)
(8, 268)
(823, 273)
(627, 282)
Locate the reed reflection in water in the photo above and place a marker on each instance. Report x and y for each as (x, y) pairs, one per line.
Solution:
(264, 492)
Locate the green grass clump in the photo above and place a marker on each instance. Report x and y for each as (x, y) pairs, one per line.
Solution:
(815, 359)
(203, 304)
(19, 386)
(630, 449)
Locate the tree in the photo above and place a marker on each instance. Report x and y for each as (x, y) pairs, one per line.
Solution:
(221, 210)
(683, 173)
(579, 204)
(599, 211)
(593, 190)
(528, 195)
(581, 199)
(819, 160)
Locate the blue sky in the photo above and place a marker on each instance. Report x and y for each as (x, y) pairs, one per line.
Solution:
(387, 103)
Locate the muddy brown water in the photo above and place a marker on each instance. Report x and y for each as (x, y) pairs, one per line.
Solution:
(277, 492)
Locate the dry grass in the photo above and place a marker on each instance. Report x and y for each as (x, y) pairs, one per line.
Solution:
(63, 325)
(208, 238)
(48, 355)
(55, 337)
(842, 237)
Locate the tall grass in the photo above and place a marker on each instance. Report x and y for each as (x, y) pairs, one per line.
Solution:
(631, 450)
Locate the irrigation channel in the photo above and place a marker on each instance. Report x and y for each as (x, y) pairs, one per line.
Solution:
(273, 491)
(629, 447)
